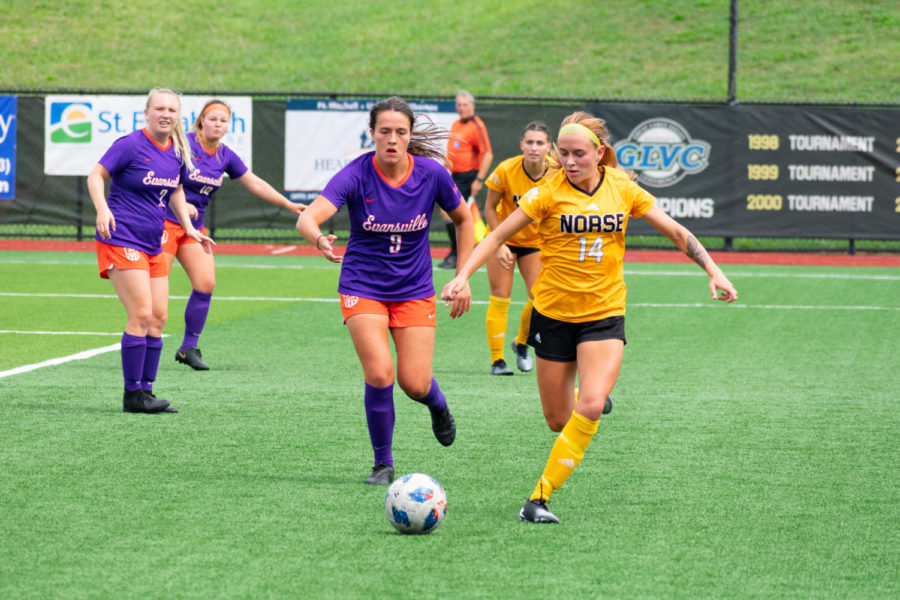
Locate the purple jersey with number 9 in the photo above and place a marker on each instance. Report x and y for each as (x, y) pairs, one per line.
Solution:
(388, 256)
(143, 175)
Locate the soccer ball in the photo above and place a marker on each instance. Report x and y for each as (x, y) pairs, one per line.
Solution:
(415, 503)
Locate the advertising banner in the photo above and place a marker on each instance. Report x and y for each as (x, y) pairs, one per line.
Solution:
(8, 119)
(321, 136)
(78, 130)
(765, 171)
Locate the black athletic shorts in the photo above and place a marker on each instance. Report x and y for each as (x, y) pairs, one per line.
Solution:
(521, 251)
(463, 181)
(557, 340)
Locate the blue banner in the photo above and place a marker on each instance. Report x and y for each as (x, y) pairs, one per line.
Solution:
(8, 147)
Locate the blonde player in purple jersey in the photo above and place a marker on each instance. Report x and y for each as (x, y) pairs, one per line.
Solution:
(386, 287)
(212, 160)
(578, 321)
(147, 168)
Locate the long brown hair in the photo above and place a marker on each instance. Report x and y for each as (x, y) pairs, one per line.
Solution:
(424, 140)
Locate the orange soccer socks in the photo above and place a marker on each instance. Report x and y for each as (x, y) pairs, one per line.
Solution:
(567, 452)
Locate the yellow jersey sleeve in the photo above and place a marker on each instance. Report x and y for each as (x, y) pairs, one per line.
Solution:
(512, 181)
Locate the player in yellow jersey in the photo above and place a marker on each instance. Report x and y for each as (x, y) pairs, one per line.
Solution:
(509, 181)
(578, 321)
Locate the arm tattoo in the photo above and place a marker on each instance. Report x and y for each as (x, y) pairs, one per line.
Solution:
(696, 252)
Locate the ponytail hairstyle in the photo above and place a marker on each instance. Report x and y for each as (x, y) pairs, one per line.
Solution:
(197, 127)
(600, 138)
(424, 141)
(179, 139)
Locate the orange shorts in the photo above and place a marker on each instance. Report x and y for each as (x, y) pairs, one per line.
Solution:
(404, 313)
(174, 235)
(122, 258)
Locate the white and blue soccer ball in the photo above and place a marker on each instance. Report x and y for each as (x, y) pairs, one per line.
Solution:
(415, 503)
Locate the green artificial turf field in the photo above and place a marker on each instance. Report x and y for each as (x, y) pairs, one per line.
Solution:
(753, 451)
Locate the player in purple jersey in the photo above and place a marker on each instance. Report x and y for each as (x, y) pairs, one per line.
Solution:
(146, 168)
(212, 160)
(386, 273)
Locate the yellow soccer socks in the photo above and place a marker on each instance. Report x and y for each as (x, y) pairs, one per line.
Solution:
(495, 325)
(567, 452)
(524, 325)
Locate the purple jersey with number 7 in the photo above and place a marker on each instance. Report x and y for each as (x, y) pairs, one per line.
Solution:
(142, 176)
(388, 256)
(207, 176)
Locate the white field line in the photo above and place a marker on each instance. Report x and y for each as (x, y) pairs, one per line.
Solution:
(709, 304)
(60, 360)
(731, 271)
(63, 359)
(60, 332)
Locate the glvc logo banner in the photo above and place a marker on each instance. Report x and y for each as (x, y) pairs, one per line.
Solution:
(79, 129)
(8, 118)
(661, 152)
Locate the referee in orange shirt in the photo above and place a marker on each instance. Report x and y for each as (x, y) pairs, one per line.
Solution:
(469, 158)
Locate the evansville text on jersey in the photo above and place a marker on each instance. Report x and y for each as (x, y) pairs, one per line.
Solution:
(417, 224)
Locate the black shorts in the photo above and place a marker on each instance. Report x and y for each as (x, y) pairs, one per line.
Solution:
(558, 340)
(463, 181)
(521, 251)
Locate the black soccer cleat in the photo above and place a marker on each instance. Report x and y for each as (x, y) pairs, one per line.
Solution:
(535, 511)
(192, 358)
(523, 360)
(168, 409)
(607, 406)
(448, 263)
(444, 426)
(499, 368)
(382, 474)
(139, 401)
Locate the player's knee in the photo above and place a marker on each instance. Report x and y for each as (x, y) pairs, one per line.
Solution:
(158, 318)
(206, 285)
(417, 388)
(555, 421)
(591, 405)
(379, 376)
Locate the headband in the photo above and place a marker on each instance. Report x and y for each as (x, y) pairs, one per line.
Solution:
(579, 129)
(214, 105)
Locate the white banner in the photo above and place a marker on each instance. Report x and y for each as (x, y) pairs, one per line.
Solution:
(78, 130)
(322, 136)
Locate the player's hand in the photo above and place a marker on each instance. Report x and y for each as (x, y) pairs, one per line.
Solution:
(326, 245)
(106, 223)
(721, 288)
(462, 302)
(453, 289)
(205, 241)
(295, 207)
(506, 257)
(192, 211)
